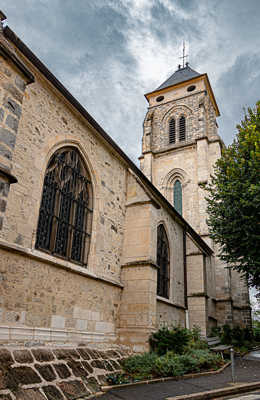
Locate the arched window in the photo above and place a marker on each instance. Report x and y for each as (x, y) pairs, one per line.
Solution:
(177, 196)
(172, 132)
(182, 129)
(65, 217)
(163, 261)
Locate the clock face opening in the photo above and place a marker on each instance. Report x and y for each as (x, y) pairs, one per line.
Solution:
(191, 88)
(159, 98)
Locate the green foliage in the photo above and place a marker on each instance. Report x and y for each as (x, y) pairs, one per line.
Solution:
(234, 200)
(195, 339)
(193, 361)
(141, 364)
(205, 359)
(176, 351)
(216, 331)
(236, 336)
(165, 339)
(169, 365)
(117, 379)
(256, 330)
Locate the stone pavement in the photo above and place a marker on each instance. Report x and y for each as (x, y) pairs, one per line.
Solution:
(247, 371)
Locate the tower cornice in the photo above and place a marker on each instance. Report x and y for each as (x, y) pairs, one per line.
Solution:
(204, 77)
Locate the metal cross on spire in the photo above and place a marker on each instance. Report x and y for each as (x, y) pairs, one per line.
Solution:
(183, 54)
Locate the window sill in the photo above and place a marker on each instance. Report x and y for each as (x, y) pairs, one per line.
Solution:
(43, 257)
(170, 303)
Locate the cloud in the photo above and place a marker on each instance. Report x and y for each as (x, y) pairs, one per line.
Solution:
(110, 52)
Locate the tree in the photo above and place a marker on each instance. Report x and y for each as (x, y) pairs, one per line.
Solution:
(233, 200)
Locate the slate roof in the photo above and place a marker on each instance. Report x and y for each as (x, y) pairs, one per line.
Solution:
(181, 75)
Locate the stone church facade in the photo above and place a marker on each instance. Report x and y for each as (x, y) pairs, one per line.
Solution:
(92, 249)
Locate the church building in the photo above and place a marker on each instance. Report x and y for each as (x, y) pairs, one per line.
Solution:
(92, 248)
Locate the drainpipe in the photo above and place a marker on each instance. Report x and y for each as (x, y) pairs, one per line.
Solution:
(187, 324)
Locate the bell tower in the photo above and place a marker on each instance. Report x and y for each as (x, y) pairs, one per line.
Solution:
(180, 142)
(180, 146)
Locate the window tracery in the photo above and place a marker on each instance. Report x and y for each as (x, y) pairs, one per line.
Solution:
(65, 217)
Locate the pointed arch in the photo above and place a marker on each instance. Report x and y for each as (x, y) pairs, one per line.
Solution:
(163, 261)
(182, 128)
(177, 196)
(172, 131)
(65, 217)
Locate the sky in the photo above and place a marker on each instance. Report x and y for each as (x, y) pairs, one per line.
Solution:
(109, 53)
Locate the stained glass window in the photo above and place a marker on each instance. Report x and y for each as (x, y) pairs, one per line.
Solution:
(163, 262)
(65, 217)
(177, 196)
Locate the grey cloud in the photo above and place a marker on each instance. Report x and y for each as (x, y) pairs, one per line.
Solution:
(168, 26)
(87, 45)
(237, 88)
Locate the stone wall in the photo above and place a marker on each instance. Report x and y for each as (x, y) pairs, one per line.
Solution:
(60, 303)
(40, 373)
(44, 297)
(191, 162)
(13, 82)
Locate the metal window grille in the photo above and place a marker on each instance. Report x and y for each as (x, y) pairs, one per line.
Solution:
(182, 129)
(163, 262)
(65, 217)
(172, 131)
(177, 196)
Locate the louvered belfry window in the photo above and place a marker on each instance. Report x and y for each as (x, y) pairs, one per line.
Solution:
(182, 129)
(172, 131)
(177, 196)
(65, 217)
(163, 261)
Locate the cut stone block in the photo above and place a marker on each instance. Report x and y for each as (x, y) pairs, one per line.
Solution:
(5, 357)
(23, 356)
(52, 393)
(24, 375)
(62, 370)
(29, 394)
(43, 355)
(78, 369)
(46, 371)
(73, 389)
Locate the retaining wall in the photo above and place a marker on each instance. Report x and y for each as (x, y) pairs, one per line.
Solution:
(55, 373)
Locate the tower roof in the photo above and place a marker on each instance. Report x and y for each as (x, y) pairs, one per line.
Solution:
(181, 75)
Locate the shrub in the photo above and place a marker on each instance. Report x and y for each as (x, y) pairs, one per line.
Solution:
(226, 336)
(169, 365)
(194, 361)
(141, 364)
(195, 339)
(205, 359)
(256, 331)
(236, 336)
(195, 333)
(216, 331)
(166, 339)
(190, 363)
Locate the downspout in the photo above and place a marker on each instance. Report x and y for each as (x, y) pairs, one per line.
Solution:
(187, 323)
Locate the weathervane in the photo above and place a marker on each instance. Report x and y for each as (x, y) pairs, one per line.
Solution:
(183, 55)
